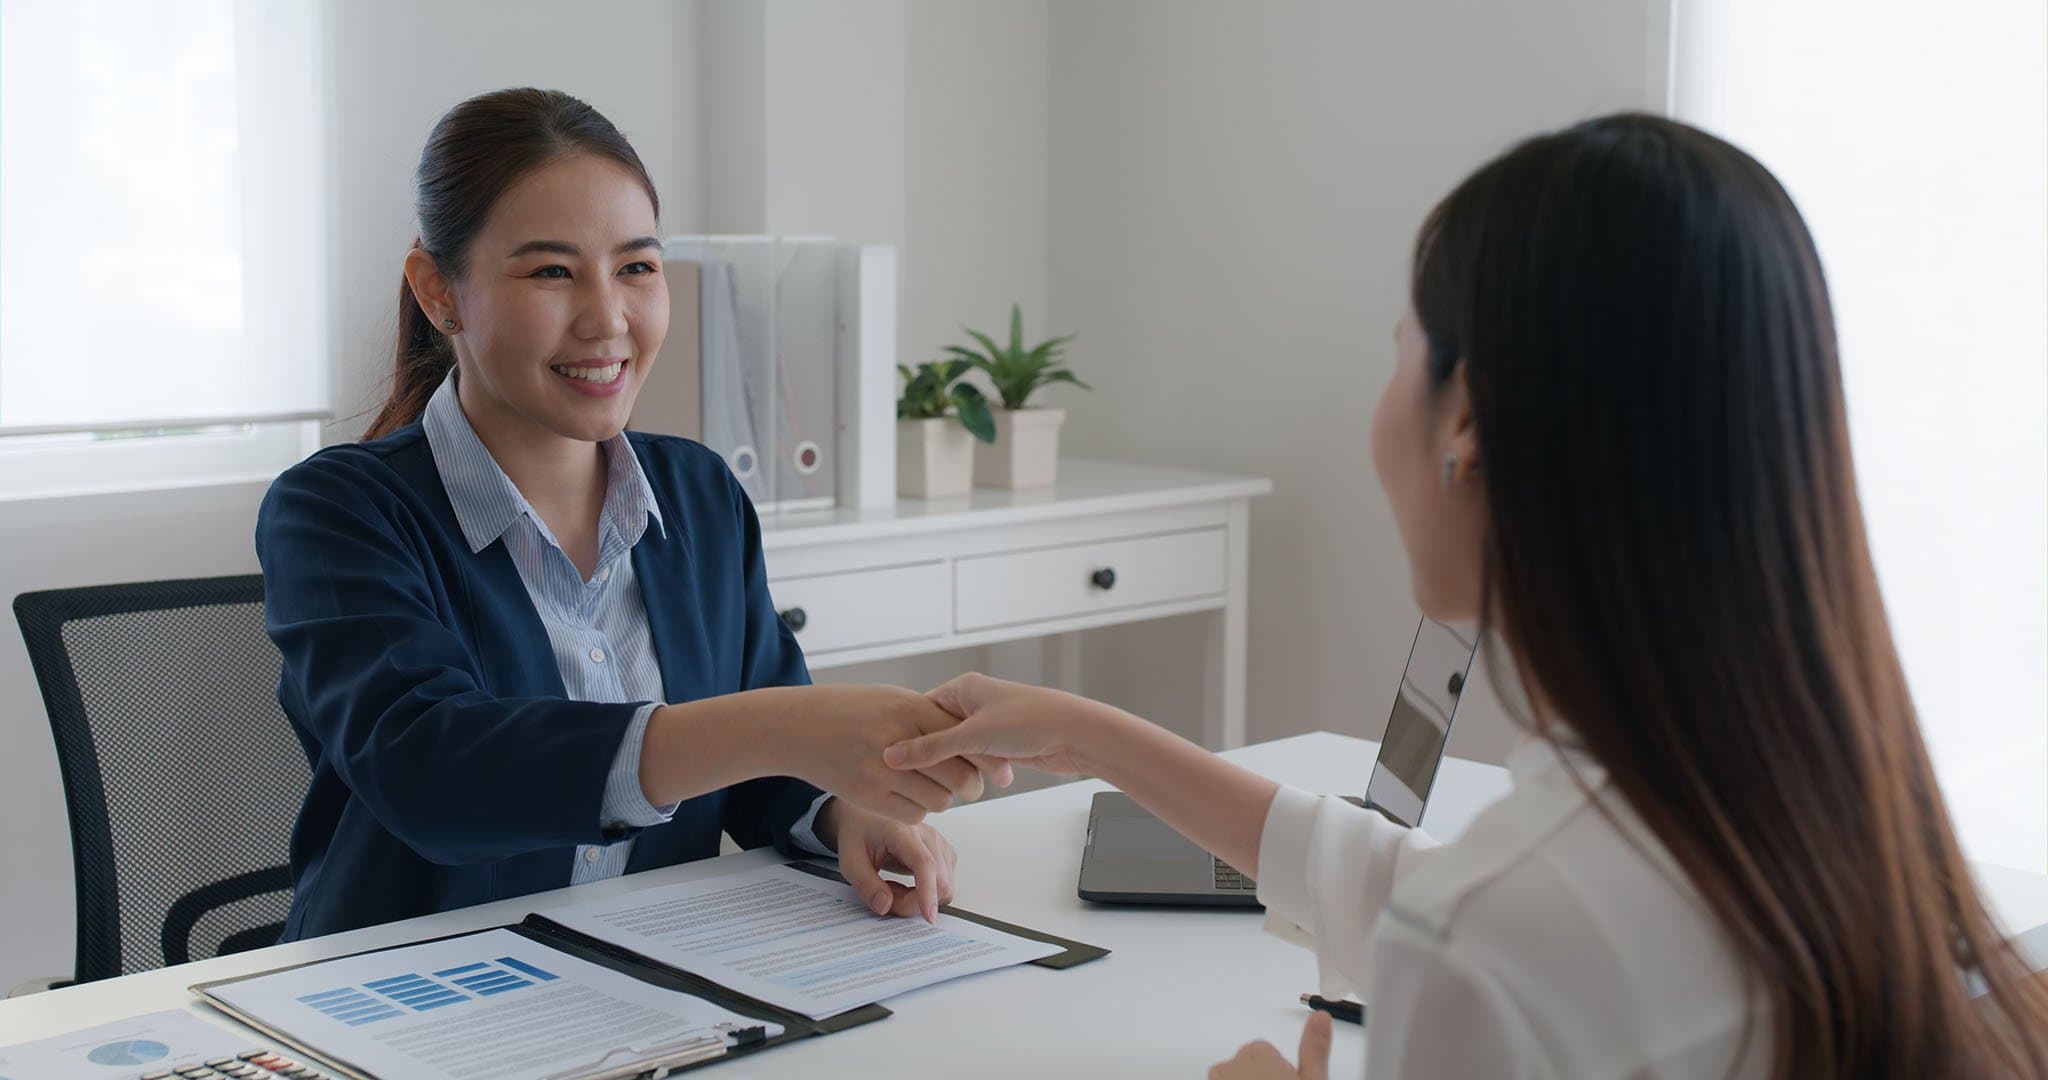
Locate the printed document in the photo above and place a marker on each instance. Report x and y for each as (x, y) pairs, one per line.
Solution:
(488, 1004)
(799, 941)
(126, 1048)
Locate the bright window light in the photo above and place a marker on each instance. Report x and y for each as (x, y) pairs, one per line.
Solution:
(1914, 137)
(162, 256)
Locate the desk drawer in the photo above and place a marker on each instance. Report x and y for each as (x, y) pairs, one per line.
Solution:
(1031, 586)
(864, 607)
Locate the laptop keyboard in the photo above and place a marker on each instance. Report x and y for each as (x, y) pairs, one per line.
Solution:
(1230, 879)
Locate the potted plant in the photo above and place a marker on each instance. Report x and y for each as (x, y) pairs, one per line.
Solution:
(1026, 450)
(934, 454)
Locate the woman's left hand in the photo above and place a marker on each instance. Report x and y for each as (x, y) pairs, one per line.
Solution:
(869, 843)
(1261, 1060)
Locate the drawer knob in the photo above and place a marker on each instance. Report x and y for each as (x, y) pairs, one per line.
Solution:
(795, 619)
(1104, 579)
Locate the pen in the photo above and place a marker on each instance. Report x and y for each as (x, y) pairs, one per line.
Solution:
(1348, 1011)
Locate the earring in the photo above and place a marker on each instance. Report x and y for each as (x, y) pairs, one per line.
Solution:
(1450, 472)
(447, 324)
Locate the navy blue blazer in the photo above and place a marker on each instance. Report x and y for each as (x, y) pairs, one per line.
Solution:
(449, 766)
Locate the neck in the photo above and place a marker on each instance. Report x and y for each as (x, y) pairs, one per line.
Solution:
(551, 470)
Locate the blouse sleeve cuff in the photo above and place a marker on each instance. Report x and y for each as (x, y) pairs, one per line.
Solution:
(1283, 876)
(804, 832)
(625, 802)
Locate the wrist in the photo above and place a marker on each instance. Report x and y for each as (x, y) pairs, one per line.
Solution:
(1103, 737)
(699, 746)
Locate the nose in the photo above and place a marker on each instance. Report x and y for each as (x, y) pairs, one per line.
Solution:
(601, 312)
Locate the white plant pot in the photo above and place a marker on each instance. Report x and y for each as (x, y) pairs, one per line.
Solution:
(1026, 453)
(934, 458)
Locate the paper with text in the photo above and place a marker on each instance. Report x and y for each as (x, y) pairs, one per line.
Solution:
(799, 941)
(490, 1004)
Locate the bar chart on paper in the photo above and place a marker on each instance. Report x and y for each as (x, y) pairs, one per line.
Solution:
(400, 995)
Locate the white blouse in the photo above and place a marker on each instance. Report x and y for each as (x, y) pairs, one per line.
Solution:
(1544, 942)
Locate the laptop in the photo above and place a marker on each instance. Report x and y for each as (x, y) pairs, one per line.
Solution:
(1134, 858)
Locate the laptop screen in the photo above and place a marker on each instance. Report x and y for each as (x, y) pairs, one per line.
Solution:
(1431, 685)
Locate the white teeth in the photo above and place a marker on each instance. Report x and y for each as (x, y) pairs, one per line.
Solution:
(604, 374)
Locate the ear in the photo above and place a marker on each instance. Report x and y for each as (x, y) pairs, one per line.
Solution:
(431, 289)
(1459, 430)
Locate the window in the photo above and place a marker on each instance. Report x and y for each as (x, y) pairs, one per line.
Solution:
(162, 237)
(1915, 140)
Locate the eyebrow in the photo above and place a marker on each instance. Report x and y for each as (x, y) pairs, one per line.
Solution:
(563, 247)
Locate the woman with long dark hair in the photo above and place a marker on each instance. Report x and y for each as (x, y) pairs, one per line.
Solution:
(523, 647)
(1616, 438)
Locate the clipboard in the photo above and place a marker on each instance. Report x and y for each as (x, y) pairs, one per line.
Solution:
(544, 931)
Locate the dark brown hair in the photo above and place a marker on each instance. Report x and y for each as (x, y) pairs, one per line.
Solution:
(1677, 562)
(473, 156)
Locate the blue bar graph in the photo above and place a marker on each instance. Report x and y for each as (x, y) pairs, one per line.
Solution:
(382, 999)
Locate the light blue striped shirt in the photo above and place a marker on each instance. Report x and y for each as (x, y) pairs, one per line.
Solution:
(597, 628)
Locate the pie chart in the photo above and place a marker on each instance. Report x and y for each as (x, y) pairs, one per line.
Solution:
(131, 1052)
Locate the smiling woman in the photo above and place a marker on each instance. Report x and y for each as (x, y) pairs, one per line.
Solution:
(524, 647)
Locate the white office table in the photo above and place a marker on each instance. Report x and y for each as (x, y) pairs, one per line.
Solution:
(1109, 544)
(1181, 990)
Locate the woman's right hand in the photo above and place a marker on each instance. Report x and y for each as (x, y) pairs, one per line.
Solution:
(834, 736)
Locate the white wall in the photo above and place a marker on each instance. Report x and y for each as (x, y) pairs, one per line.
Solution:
(1234, 189)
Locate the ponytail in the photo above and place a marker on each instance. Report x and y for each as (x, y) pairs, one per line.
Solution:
(423, 361)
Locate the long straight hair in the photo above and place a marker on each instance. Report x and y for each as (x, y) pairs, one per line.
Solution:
(476, 152)
(1677, 561)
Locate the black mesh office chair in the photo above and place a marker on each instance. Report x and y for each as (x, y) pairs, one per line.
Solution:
(181, 774)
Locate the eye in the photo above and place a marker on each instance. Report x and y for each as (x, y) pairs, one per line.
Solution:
(639, 268)
(557, 272)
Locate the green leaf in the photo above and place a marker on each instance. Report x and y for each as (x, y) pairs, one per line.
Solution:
(1065, 376)
(967, 354)
(974, 415)
(1047, 352)
(1016, 327)
(995, 354)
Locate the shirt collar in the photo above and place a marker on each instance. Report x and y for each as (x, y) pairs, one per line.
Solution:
(486, 501)
(1536, 756)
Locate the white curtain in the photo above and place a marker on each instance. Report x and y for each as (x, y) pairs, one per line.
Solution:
(1914, 138)
(162, 251)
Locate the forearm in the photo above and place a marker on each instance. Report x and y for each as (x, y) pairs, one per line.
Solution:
(697, 747)
(1216, 804)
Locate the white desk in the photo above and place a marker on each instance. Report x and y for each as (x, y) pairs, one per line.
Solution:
(1181, 990)
(925, 576)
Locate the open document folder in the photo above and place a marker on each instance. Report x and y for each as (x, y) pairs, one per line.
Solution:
(661, 978)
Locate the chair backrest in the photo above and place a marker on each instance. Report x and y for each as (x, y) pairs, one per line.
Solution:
(182, 775)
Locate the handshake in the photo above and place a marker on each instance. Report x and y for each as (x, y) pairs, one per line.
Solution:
(903, 754)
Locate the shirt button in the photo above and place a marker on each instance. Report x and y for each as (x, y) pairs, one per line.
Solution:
(605, 574)
(590, 854)
(597, 656)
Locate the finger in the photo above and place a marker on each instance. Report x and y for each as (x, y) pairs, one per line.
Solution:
(1314, 1059)
(934, 748)
(949, 862)
(957, 776)
(994, 770)
(924, 868)
(963, 695)
(922, 790)
(857, 866)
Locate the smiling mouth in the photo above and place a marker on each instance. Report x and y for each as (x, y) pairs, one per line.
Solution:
(600, 374)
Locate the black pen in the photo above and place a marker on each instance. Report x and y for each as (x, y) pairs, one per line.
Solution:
(1351, 1012)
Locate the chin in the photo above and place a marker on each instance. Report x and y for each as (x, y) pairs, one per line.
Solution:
(591, 426)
